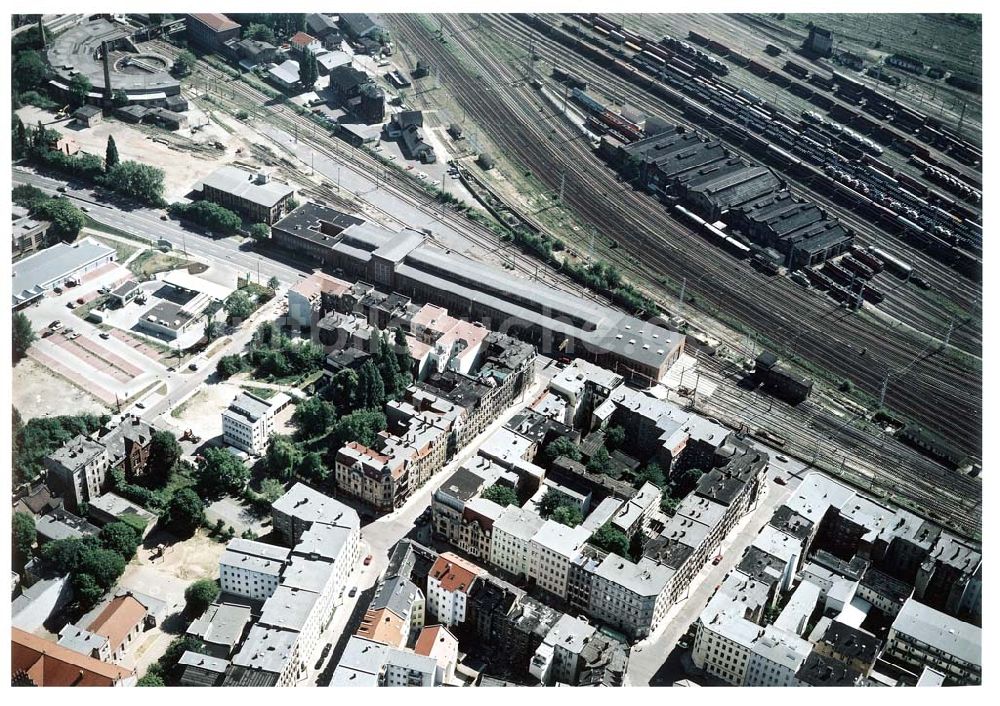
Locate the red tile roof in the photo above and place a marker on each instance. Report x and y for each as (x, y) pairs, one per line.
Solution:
(216, 22)
(301, 39)
(118, 619)
(430, 636)
(454, 573)
(46, 663)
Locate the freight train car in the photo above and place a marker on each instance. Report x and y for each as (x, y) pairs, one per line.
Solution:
(569, 79)
(892, 263)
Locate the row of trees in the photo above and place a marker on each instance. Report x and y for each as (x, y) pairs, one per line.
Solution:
(131, 179)
(213, 216)
(65, 219)
(272, 353)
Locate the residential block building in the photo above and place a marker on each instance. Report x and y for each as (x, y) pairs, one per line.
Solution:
(248, 422)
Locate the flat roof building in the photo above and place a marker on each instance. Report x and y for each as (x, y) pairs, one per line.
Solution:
(54, 266)
(254, 196)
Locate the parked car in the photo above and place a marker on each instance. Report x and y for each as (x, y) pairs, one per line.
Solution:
(322, 656)
(783, 459)
(368, 560)
(57, 290)
(105, 335)
(61, 189)
(353, 592)
(716, 560)
(779, 480)
(140, 405)
(70, 305)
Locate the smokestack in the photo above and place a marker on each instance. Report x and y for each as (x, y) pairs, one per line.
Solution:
(41, 32)
(107, 72)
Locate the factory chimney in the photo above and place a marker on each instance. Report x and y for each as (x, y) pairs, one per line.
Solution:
(41, 32)
(107, 72)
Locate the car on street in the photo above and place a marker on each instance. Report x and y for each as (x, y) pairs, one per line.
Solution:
(55, 324)
(164, 217)
(193, 366)
(57, 290)
(783, 459)
(779, 480)
(716, 560)
(70, 305)
(323, 655)
(85, 209)
(140, 405)
(353, 592)
(61, 189)
(368, 560)
(105, 335)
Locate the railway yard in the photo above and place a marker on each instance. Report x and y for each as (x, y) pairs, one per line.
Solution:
(917, 349)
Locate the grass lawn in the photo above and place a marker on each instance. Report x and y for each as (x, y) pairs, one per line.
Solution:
(152, 261)
(122, 250)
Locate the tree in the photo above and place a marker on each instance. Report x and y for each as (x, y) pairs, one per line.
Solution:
(214, 330)
(22, 336)
(137, 181)
(273, 284)
(371, 388)
(216, 218)
(175, 650)
(20, 138)
(611, 539)
(260, 33)
(199, 596)
(29, 71)
(568, 515)
(185, 512)
(614, 437)
(403, 358)
(119, 98)
(64, 555)
(79, 87)
(502, 495)
(151, 678)
(361, 427)
(561, 446)
(313, 417)
(111, 154)
(105, 565)
(343, 389)
(282, 457)
(312, 468)
(164, 453)
(238, 306)
(308, 70)
(184, 62)
(552, 501)
(88, 593)
(221, 473)
(271, 489)
(120, 538)
(260, 232)
(229, 365)
(23, 536)
(651, 473)
(600, 462)
(66, 219)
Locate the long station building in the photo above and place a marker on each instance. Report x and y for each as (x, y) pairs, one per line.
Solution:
(558, 323)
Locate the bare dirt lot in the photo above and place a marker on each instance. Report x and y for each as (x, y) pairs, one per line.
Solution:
(39, 393)
(183, 167)
(203, 411)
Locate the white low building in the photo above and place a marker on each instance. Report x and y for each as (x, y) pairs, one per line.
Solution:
(251, 569)
(249, 421)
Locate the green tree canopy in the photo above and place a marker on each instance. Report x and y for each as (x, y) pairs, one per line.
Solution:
(88, 592)
(283, 457)
(164, 453)
(560, 446)
(22, 336)
(361, 426)
(79, 87)
(238, 305)
(111, 153)
(313, 417)
(651, 473)
(23, 535)
(229, 365)
(313, 468)
(611, 539)
(614, 438)
(273, 284)
(151, 679)
(216, 218)
(184, 62)
(600, 462)
(29, 71)
(552, 501)
(105, 565)
(66, 219)
(120, 538)
(260, 232)
(260, 33)
(119, 98)
(199, 596)
(185, 512)
(371, 387)
(502, 495)
(343, 389)
(135, 180)
(308, 70)
(221, 473)
(214, 330)
(568, 515)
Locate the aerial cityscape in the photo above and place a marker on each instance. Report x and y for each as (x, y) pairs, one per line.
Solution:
(475, 350)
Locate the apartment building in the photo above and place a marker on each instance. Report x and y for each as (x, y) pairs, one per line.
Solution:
(924, 637)
(550, 551)
(77, 471)
(448, 586)
(775, 658)
(296, 511)
(630, 597)
(248, 422)
(512, 534)
(251, 569)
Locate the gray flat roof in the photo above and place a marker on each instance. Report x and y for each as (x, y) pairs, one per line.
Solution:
(267, 649)
(240, 183)
(646, 578)
(941, 631)
(288, 608)
(324, 540)
(58, 262)
(363, 656)
(211, 664)
(221, 624)
(307, 575)
(309, 505)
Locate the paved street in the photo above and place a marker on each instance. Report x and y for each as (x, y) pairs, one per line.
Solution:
(648, 656)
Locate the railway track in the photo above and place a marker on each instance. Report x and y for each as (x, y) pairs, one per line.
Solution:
(496, 96)
(913, 308)
(243, 96)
